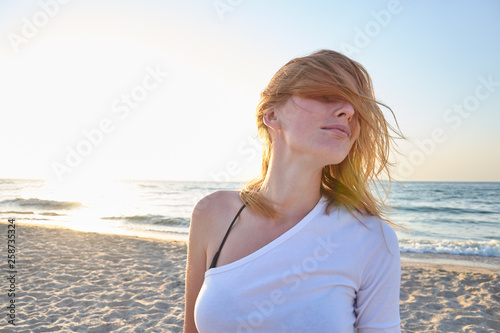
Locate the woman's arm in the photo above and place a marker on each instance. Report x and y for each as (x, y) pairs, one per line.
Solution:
(196, 259)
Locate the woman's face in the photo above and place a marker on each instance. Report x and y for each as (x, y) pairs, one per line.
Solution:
(324, 130)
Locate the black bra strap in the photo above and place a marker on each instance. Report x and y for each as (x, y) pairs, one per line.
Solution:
(216, 256)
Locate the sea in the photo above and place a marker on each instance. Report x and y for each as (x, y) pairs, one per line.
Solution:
(447, 218)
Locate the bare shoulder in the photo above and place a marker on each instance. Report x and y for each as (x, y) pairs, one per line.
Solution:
(211, 214)
(212, 205)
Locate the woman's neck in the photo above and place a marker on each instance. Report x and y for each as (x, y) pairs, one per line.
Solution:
(293, 186)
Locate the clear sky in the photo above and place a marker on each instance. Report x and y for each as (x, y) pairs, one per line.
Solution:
(167, 89)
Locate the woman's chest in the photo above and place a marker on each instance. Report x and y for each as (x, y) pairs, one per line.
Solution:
(246, 237)
(302, 294)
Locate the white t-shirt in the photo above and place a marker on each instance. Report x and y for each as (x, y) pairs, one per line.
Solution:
(326, 274)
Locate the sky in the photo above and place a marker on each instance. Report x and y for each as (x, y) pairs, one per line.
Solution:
(167, 89)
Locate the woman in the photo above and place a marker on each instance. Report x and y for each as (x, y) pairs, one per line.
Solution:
(312, 251)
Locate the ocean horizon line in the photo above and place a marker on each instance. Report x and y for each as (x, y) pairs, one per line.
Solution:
(245, 181)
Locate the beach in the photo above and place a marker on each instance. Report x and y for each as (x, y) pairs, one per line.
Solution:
(72, 281)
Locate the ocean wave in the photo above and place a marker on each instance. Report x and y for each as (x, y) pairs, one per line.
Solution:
(13, 212)
(446, 210)
(477, 248)
(41, 203)
(16, 212)
(52, 214)
(152, 219)
(147, 186)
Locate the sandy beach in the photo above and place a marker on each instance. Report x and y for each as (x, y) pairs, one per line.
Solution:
(71, 281)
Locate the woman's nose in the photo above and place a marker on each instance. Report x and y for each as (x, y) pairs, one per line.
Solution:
(345, 110)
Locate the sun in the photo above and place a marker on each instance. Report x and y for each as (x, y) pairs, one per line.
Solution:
(98, 197)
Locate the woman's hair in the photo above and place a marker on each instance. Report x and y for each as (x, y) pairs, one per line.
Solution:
(322, 76)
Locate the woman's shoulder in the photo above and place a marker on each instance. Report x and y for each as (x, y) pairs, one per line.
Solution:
(211, 217)
(214, 212)
(372, 231)
(213, 204)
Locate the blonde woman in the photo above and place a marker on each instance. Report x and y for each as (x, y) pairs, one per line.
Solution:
(313, 250)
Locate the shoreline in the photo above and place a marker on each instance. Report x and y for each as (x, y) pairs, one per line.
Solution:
(85, 281)
(448, 261)
(479, 263)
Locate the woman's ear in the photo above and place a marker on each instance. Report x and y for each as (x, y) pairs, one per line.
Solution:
(271, 120)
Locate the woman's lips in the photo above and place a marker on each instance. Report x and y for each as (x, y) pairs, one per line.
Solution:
(340, 130)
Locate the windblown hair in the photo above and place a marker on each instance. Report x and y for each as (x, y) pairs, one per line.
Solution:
(322, 76)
